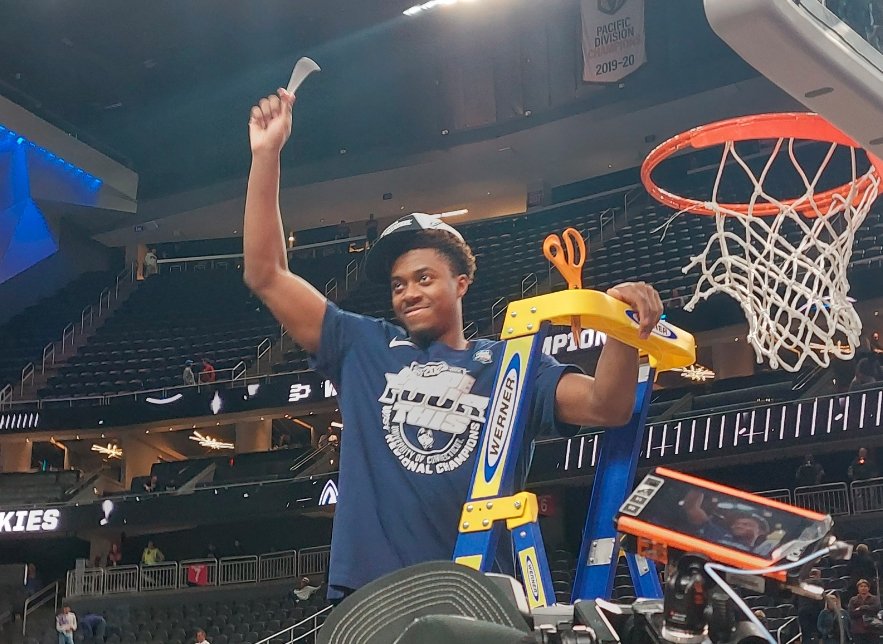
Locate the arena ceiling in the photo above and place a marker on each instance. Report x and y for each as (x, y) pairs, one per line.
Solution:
(165, 86)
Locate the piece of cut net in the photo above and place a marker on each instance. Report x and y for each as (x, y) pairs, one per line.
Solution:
(787, 271)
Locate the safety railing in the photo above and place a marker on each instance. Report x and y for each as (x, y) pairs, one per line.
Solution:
(5, 395)
(331, 289)
(529, 285)
(122, 579)
(198, 572)
(470, 330)
(103, 301)
(48, 356)
(159, 576)
(69, 334)
(263, 349)
(867, 495)
(88, 582)
(40, 598)
(352, 274)
(67, 337)
(238, 373)
(27, 376)
(788, 632)
(238, 570)
(827, 498)
(313, 561)
(278, 565)
(498, 309)
(783, 495)
(287, 635)
(170, 575)
(86, 318)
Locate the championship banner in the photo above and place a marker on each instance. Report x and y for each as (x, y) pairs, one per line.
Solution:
(613, 39)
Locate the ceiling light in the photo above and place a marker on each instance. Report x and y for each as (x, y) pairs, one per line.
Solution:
(695, 372)
(110, 450)
(211, 443)
(426, 6)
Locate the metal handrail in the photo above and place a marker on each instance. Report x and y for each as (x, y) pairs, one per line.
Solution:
(158, 576)
(782, 494)
(48, 353)
(40, 598)
(529, 282)
(352, 273)
(87, 312)
(498, 308)
(318, 555)
(289, 632)
(238, 570)
(238, 372)
(470, 330)
(27, 373)
(275, 565)
(820, 498)
(67, 337)
(331, 287)
(5, 394)
(104, 295)
(780, 633)
(606, 219)
(262, 350)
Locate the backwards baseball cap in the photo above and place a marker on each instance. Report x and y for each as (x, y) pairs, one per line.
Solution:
(391, 241)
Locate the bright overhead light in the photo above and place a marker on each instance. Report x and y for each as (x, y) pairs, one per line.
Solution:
(696, 373)
(431, 4)
(111, 450)
(211, 443)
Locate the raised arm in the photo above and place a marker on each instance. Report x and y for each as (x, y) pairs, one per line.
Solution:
(292, 300)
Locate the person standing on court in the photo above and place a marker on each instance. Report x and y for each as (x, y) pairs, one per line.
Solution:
(414, 398)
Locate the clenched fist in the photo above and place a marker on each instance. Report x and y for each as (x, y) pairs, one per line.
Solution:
(269, 124)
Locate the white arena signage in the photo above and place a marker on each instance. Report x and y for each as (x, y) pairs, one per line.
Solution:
(12, 521)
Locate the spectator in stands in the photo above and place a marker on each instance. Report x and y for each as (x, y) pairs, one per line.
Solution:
(211, 552)
(833, 623)
(342, 231)
(114, 556)
(809, 472)
(150, 485)
(370, 231)
(93, 625)
(867, 372)
(207, 374)
(761, 616)
(200, 637)
(808, 611)
(189, 378)
(863, 609)
(862, 566)
(33, 580)
(150, 263)
(66, 625)
(152, 555)
(861, 468)
(238, 550)
(428, 267)
(304, 590)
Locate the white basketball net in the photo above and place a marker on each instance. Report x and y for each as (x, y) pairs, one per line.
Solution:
(787, 271)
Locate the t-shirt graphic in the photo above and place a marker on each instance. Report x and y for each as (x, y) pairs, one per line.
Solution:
(413, 419)
(432, 420)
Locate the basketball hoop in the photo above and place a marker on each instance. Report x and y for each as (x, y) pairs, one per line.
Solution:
(793, 293)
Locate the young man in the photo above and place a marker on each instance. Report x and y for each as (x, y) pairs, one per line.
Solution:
(413, 399)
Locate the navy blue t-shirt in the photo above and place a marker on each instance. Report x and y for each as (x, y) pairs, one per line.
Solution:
(412, 420)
